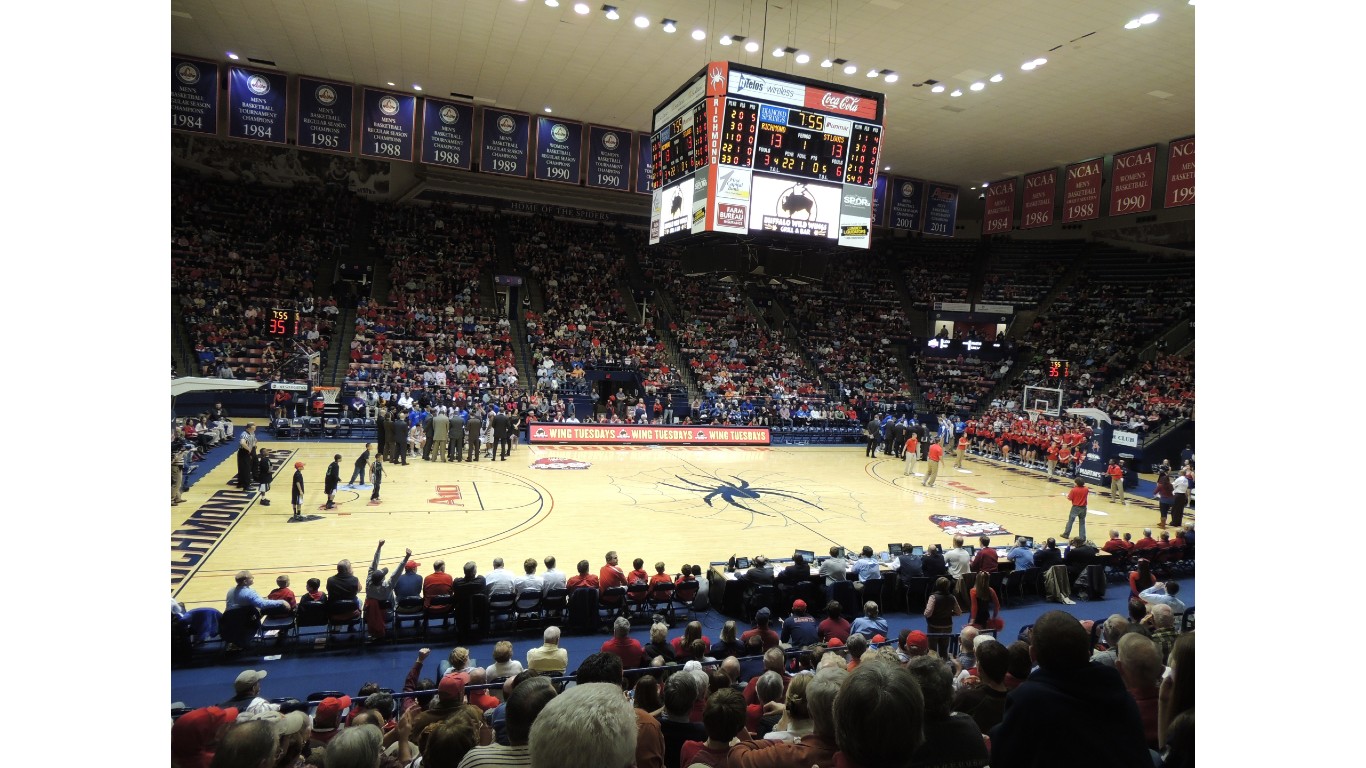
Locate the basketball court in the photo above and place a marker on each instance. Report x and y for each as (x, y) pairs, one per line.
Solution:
(676, 504)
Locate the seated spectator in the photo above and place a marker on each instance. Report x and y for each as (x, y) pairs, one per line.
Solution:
(524, 704)
(437, 583)
(1164, 592)
(550, 658)
(247, 743)
(1176, 704)
(283, 593)
(879, 717)
(768, 692)
(774, 660)
(986, 559)
(327, 719)
(795, 722)
(1163, 621)
(768, 638)
(247, 693)
(985, 700)
(724, 721)
(858, 647)
(504, 665)
(528, 580)
(458, 663)
(680, 694)
(659, 651)
(729, 644)
(624, 647)
(816, 748)
(691, 632)
(243, 596)
(1020, 556)
(1116, 546)
(196, 734)
(870, 623)
(588, 726)
(583, 578)
(314, 592)
(499, 580)
(951, 738)
(835, 626)
(799, 628)
(1141, 667)
(1020, 664)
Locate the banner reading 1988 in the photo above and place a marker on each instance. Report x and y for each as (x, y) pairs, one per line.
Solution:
(1081, 191)
(326, 115)
(1040, 195)
(447, 134)
(194, 95)
(907, 204)
(1132, 188)
(644, 181)
(609, 158)
(256, 105)
(559, 150)
(387, 124)
(941, 209)
(1180, 173)
(1000, 209)
(505, 143)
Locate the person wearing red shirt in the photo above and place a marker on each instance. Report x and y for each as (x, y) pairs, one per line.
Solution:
(1077, 496)
(936, 454)
(624, 647)
(835, 626)
(1065, 460)
(1115, 545)
(1116, 473)
(986, 560)
(1147, 542)
(438, 582)
(766, 636)
(582, 579)
(962, 449)
(1052, 457)
(610, 575)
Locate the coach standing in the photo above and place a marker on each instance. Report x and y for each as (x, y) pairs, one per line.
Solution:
(1077, 496)
(246, 449)
(441, 434)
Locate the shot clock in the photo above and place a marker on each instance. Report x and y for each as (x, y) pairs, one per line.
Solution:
(282, 323)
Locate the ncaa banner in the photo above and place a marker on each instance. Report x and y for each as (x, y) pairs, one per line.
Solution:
(1081, 191)
(447, 134)
(559, 150)
(907, 205)
(387, 125)
(609, 158)
(880, 201)
(1134, 174)
(1040, 195)
(644, 173)
(326, 115)
(625, 434)
(256, 105)
(941, 209)
(1000, 211)
(505, 143)
(194, 95)
(1180, 173)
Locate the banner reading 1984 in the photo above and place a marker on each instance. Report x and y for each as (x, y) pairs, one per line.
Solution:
(1000, 210)
(559, 150)
(1180, 173)
(1040, 194)
(644, 180)
(506, 142)
(1081, 191)
(447, 134)
(1134, 173)
(609, 158)
(326, 115)
(256, 105)
(387, 124)
(194, 95)
(907, 205)
(941, 209)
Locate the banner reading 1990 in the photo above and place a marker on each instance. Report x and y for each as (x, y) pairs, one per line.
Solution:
(644, 183)
(256, 105)
(559, 150)
(326, 115)
(447, 134)
(1040, 195)
(941, 209)
(609, 158)
(1180, 173)
(194, 95)
(387, 124)
(1000, 209)
(907, 205)
(505, 143)
(1134, 173)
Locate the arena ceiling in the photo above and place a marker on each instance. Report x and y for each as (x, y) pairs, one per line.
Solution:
(1104, 88)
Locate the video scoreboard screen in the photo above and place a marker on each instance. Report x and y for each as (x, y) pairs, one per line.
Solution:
(746, 151)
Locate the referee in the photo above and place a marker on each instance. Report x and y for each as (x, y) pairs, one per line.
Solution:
(246, 449)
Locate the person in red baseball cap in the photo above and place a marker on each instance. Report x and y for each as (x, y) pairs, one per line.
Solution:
(196, 733)
(799, 628)
(296, 490)
(328, 720)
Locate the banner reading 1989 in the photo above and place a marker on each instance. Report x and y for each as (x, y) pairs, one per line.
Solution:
(559, 150)
(505, 143)
(644, 181)
(387, 123)
(326, 115)
(941, 209)
(194, 95)
(609, 158)
(447, 134)
(256, 105)
(907, 205)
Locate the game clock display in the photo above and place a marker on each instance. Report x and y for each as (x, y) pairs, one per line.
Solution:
(282, 323)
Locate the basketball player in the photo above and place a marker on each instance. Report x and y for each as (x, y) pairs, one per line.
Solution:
(331, 480)
(376, 475)
(296, 491)
(263, 471)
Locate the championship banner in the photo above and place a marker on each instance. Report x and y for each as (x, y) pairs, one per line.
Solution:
(559, 150)
(880, 202)
(941, 209)
(326, 116)
(506, 142)
(609, 158)
(626, 434)
(387, 124)
(1040, 195)
(1180, 173)
(447, 134)
(194, 96)
(644, 183)
(256, 105)
(1081, 191)
(1134, 174)
(907, 204)
(1000, 210)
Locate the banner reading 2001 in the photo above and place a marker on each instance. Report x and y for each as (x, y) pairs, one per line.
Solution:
(907, 204)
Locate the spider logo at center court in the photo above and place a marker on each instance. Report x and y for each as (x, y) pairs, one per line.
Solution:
(731, 491)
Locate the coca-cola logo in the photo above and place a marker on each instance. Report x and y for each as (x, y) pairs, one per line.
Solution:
(841, 101)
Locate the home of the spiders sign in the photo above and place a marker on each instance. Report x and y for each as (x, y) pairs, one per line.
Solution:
(623, 434)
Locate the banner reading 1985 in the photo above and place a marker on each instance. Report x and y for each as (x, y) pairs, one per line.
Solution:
(256, 105)
(194, 95)
(1134, 174)
(609, 158)
(387, 124)
(1180, 173)
(505, 143)
(447, 134)
(1000, 209)
(644, 180)
(907, 205)
(1081, 191)
(559, 150)
(326, 115)
(941, 209)
(1040, 195)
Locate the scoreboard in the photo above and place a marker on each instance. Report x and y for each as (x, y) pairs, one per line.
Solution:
(747, 151)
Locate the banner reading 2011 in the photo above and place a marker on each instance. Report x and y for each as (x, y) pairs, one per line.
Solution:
(559, 150)
(194, 95)
(256, 105)
(326, 115)
(387, 125)
(941, 209)
(1132, 189)
(506, 142)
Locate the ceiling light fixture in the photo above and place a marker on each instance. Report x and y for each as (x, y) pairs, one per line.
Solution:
(1133, 24)
(937, 89)
(642, 22)
(581, 9)
(752, 46)
(699, 35)
(1028, 65)
(391, 84)
(416, 87)
(956, 93)
(553, 3)
(886, 167)
(891, 77)
(873, 73)
(998, 77)
(1148, 18)
(669, 25)
(826, 63)
(233, 56)
(1039, 62)
(547, 110)
(725, 40)
(977, 86)
(611, 11)
(803, 57)
(778, 53)
(850, 69)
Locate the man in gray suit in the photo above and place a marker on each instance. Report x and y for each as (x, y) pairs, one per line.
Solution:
(473, 427)
(441, 433)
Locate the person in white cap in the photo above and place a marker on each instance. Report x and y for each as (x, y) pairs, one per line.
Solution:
(247, 692)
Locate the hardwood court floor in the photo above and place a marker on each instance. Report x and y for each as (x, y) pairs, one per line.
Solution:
(677, 504)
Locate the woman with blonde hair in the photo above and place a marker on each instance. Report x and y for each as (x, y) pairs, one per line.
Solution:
(796, 720)
(503, 664)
